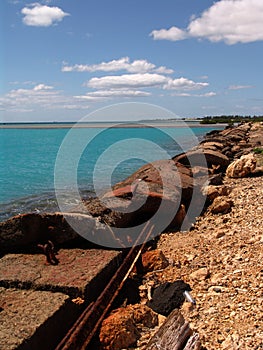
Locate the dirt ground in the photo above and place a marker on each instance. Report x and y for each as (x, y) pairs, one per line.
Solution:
(221, 259)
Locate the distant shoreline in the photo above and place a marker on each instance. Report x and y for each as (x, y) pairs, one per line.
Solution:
(69, 125)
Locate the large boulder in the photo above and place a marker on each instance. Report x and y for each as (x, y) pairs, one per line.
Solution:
(164, 187)
(158, 176)
(212, 145)
(202, 156)
(242, 167)
(25, 232)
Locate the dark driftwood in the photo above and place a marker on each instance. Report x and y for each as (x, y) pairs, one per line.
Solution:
(174, 334)
(193, 343)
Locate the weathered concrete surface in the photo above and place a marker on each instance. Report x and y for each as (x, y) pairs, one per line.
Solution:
(33, 319)
(82, 273)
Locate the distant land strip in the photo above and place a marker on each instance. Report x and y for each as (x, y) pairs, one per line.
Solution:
(68, 125)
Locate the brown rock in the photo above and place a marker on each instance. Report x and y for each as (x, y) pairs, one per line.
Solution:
(219, 234)
(25, 232)
(118, 332)
(199, 171)
(143, 315)
(221, 205)
(157, 175)
(242, 167)
(200, 274)
(27, 229)
(214, 146)
(154, 260)
(200, 157)
(120, 329)
(215, 191)
(236, 149)
(164, 186)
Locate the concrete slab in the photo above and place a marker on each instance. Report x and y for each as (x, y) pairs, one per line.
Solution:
(33, 319)
(79, 273)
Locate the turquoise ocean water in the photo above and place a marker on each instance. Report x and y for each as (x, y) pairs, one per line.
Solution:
(29, 156)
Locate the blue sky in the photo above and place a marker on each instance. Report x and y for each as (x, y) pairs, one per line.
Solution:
(64, 59)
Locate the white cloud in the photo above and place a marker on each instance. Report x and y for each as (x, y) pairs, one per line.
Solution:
(209, 94)
(127, 84)
(41, 87)
(183, 84)
(239, 87)
(137, 66)
(127, 81)
(204, 77)
(187, 94)
(231, 21)
(43, 96)
(173, 34)
(102, 94)
(28, 82)
(39, 96)
(38, 15)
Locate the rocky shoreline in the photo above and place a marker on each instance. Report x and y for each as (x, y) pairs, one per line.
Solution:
(218, 254)
(219, 257)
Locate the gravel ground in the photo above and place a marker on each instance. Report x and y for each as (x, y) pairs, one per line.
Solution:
(221, 258)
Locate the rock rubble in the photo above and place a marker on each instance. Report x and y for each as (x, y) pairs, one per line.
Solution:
(221, 259)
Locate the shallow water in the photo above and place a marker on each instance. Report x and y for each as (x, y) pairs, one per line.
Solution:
(31, 159)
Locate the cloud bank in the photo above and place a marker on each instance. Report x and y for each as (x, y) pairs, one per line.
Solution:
(230, 21)
(39, 96)
(137, 66)
(132, 81)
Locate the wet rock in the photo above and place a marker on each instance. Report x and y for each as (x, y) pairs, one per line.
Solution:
(168, 296)
(154, 260)
(242, 167)
(221, 205)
